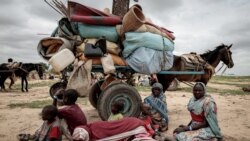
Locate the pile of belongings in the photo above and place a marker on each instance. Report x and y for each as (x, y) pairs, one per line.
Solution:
(87, 36)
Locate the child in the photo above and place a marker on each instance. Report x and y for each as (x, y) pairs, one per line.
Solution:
(50, 129)
(151, 128)
(116, 111)
(146, 118)
(71, 113)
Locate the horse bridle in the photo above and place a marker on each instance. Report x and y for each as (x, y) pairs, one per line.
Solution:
(229, 62)
(229, 57)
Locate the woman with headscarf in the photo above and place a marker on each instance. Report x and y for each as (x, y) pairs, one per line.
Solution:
(204, 123)
(157, 101)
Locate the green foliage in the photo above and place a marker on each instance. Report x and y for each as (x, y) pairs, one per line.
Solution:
(212, 90)
(33, 104)
(230, 79)
(143, 88)
(33, 85)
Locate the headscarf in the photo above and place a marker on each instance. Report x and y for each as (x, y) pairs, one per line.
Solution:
(80, 134)
(161, 95)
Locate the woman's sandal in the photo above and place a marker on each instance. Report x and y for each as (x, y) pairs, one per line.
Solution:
(25, 137)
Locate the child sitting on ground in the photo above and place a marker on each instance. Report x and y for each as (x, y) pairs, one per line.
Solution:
(50, 129)
(146, 118)
(116, 111)
(71, 113)
(152, 129)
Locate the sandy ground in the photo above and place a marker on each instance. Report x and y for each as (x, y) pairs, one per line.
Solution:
(233, 112)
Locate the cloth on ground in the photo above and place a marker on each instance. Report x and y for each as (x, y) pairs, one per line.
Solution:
(103, 129)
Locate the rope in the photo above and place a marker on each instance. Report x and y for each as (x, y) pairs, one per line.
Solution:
(220, 68)
(188, 83)
(163, 52)
(224, 71)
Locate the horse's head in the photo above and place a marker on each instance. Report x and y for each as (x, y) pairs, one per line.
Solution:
(40, 70)
(226, 56)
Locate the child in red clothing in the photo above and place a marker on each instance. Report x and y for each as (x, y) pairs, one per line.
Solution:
(50, 129)
(71, 113)
(145, 117)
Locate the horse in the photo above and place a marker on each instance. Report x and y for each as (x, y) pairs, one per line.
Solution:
(213, 58)
(21, 71)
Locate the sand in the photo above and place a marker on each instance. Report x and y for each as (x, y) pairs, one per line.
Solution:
(233, 112)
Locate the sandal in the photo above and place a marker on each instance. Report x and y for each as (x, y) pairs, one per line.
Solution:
(25, 137)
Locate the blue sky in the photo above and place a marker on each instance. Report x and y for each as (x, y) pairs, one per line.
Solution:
(198, 26)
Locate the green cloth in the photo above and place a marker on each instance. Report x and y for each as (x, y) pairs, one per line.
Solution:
(113, 117)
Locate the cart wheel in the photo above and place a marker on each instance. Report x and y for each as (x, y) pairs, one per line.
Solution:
(174, 85)
(122, 92)
(95, 92)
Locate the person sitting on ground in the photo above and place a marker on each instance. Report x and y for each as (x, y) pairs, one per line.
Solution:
(145, 116)
(157, 101)
(152, 129)
(126, 128)
(116, 111)
(204, 123)
(71, 113)
(50, 129)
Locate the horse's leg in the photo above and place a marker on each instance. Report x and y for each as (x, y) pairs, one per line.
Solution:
(22, 84)
(26, 86)
(11, 82)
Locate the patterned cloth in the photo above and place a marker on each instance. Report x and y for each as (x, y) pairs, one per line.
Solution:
(49, 130)
(204, 107)
(89, 15)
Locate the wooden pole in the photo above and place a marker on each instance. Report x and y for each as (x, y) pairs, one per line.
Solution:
(120, 7)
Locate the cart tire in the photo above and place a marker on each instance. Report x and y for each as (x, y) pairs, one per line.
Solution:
(95, 92)
(174, 85)
(119, 91)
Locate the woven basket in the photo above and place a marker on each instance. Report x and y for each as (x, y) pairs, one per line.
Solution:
(132, 20)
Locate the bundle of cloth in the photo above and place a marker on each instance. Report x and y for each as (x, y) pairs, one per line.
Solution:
(131, 40)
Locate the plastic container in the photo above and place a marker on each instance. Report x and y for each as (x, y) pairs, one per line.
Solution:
(61, 59)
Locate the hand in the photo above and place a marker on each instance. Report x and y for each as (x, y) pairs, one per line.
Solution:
(180, 129)
(182, 125)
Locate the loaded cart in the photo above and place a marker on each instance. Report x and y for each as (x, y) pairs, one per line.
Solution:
(119, 46)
